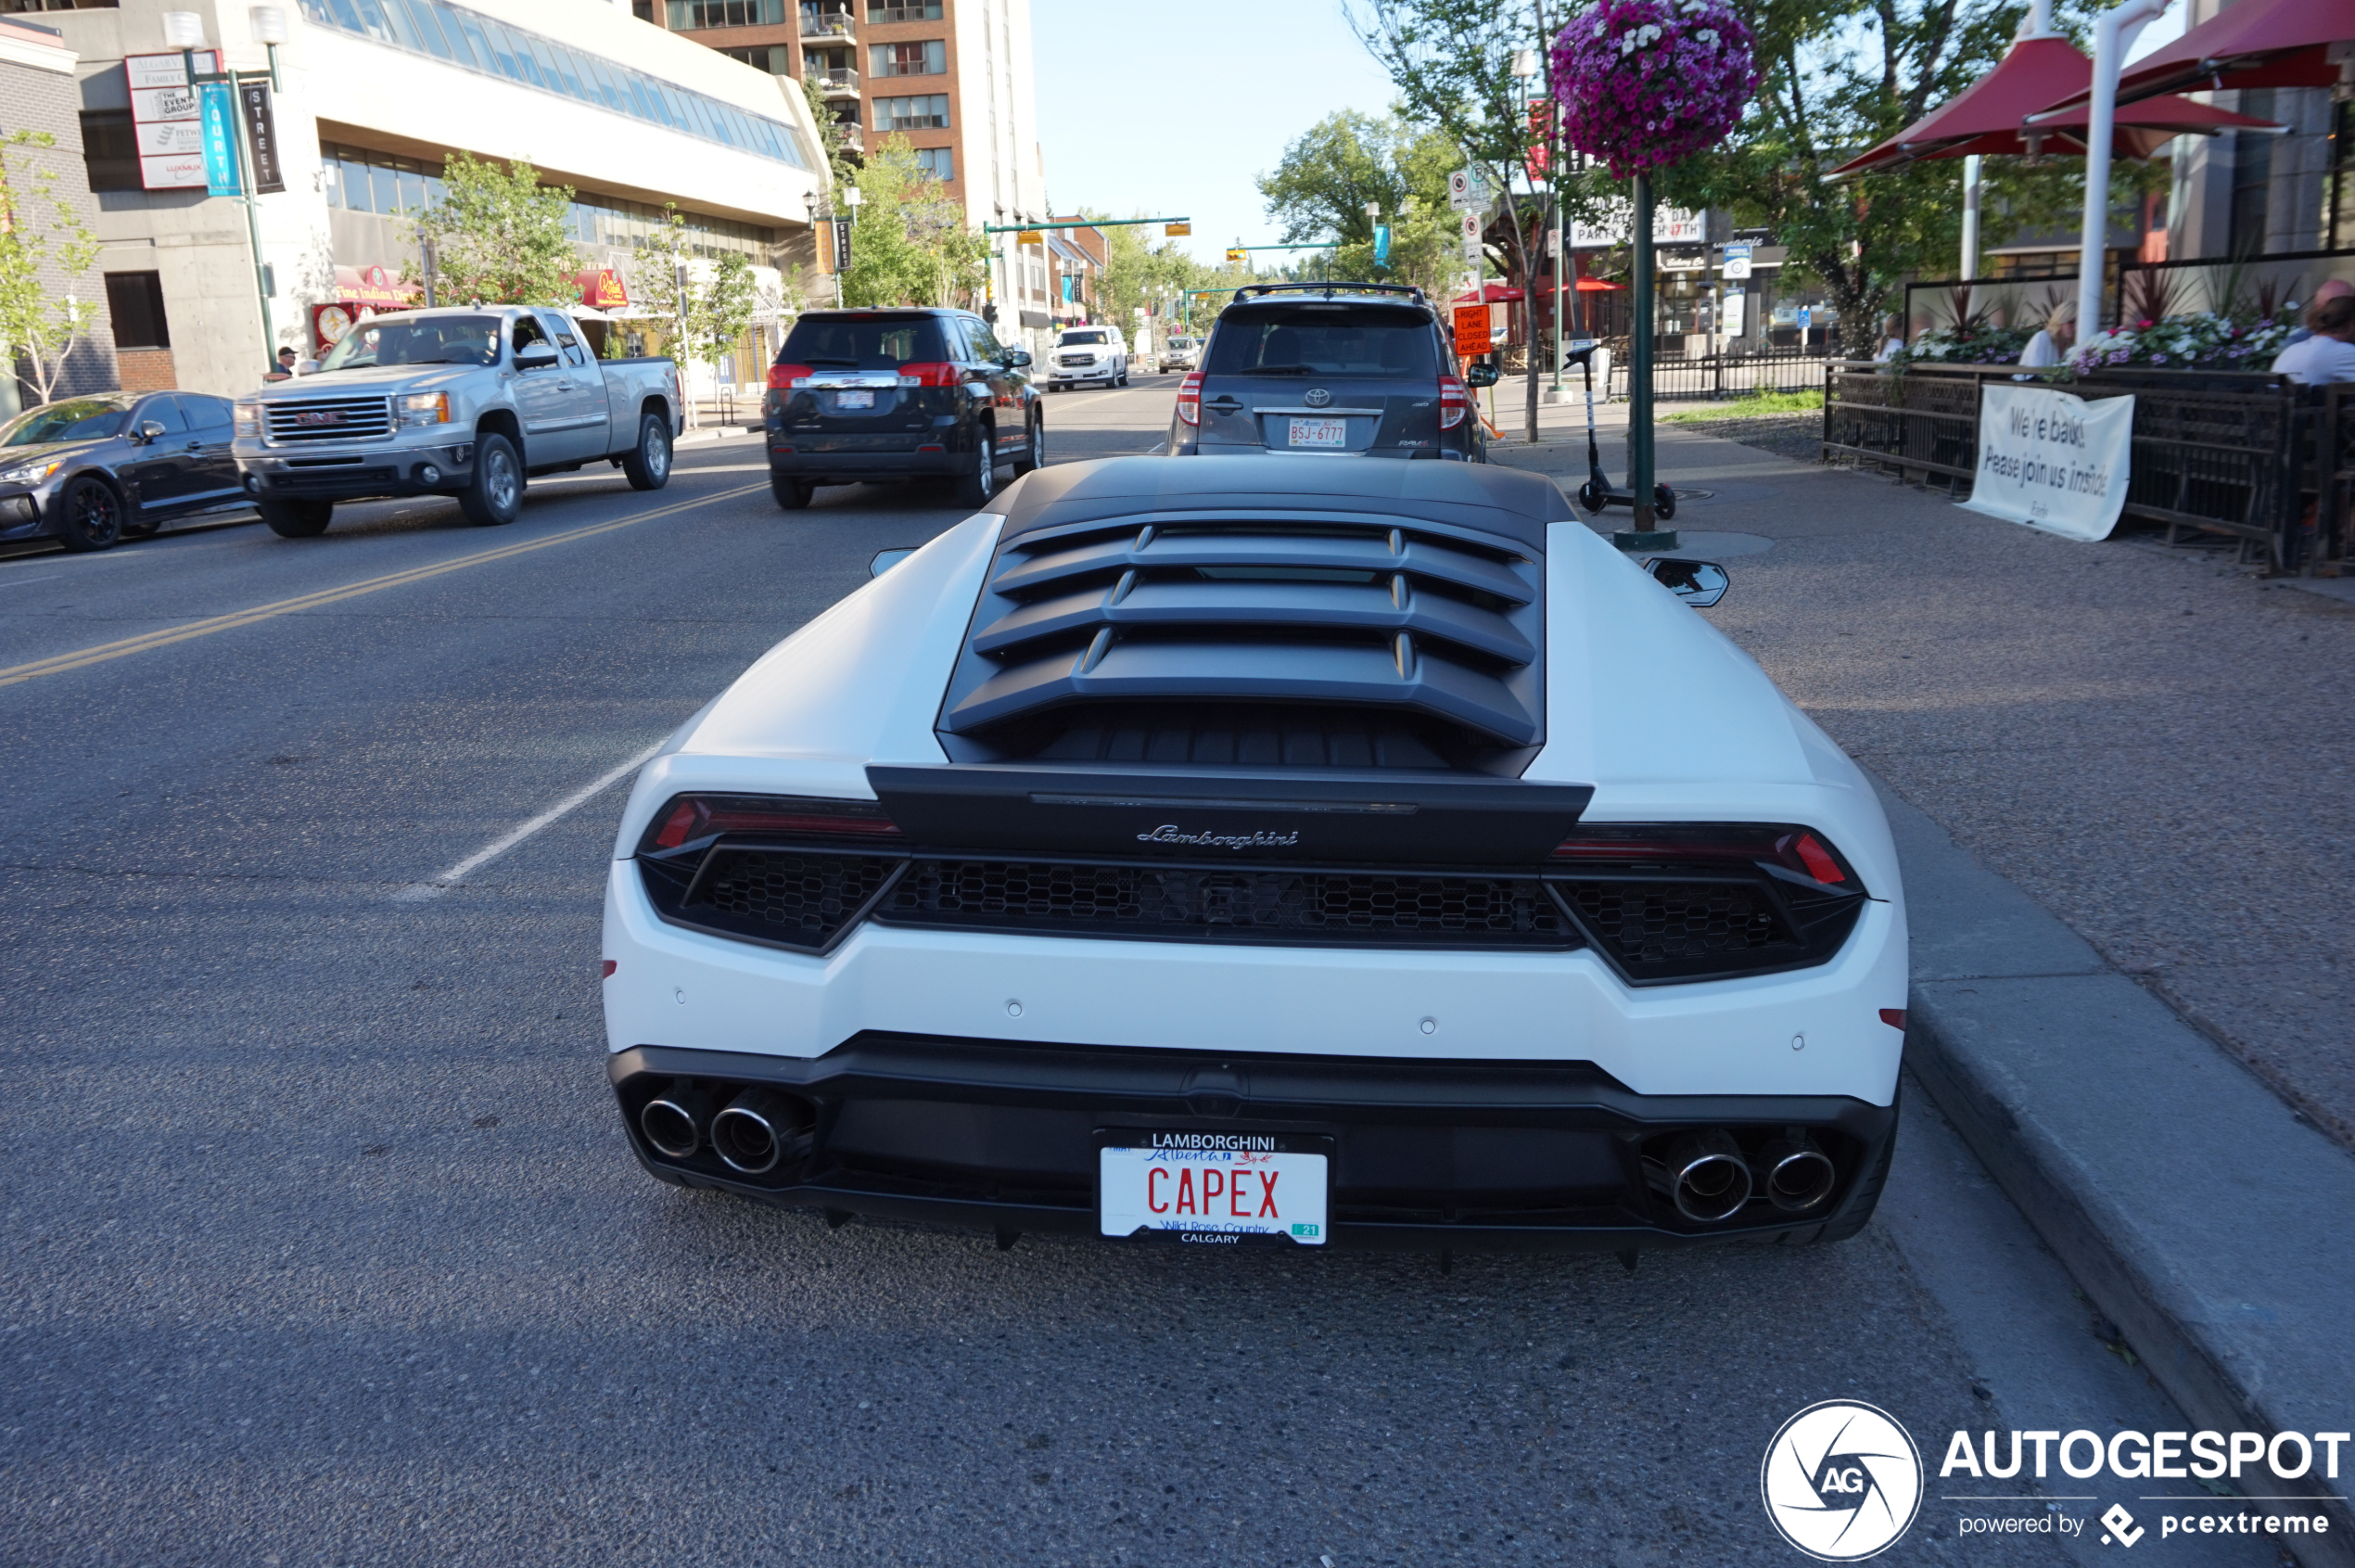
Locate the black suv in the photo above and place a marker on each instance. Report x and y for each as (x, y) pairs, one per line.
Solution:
(1350, 369)
(898, 394)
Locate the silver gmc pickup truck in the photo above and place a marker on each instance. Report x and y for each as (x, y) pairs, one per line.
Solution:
(464, 402)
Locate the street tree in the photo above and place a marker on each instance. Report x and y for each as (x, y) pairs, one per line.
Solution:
(911, 243)
(1319, 192)
(45, 249)
(499, 236)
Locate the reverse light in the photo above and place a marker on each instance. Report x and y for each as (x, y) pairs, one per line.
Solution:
(690, 817)
(1189, 398)
(424, 408)
(1454, 402)
(782, 377)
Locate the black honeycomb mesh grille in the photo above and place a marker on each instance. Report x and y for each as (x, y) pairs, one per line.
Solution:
(1655, 925)
(1257, 905)
(801, 898)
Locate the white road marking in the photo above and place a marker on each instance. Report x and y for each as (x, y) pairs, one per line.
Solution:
(434, 887)
(17, 582)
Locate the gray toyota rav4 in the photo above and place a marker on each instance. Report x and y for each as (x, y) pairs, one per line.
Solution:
(1345, 369)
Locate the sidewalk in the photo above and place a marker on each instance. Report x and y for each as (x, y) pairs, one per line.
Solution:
(2119, 813)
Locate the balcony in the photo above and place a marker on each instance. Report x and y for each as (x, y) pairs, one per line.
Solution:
(825, 24)
(841, 82)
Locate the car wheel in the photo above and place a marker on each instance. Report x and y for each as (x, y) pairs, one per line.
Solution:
(980, 480)
(495, 494)
(1033, 450)
(792, 494)
(92, 515)
(1124, 378)
(296, 519)
(648, 462)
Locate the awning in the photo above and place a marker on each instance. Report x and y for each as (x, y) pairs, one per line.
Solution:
(1988, 117)
(1501, 294)
(601, 288)
(2256, 44)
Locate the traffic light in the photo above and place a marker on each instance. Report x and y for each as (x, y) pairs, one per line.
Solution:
(1234, 253)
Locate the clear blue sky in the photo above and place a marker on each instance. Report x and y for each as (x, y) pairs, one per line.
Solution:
(1185, 101)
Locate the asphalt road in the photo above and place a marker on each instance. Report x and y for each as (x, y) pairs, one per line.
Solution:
(322, 1245)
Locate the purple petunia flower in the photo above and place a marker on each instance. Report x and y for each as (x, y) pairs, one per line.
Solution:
(1647, 83)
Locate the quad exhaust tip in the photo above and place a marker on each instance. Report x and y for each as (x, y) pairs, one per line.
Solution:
(1796, 1175)
(1708, 1178)
(673, 1121)
(761, 1129)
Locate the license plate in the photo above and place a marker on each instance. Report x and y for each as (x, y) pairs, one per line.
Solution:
(1319, 432)
(1221, 1189)
(848, 398)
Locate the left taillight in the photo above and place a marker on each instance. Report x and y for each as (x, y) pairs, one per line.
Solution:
(1797, 849)
(688, 817)
(1454, 402)
(1190, 399)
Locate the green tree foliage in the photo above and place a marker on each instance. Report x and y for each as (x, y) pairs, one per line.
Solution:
(912, 245)
(1319, 192)
(44, 251)
(499, 236)
(841, 168)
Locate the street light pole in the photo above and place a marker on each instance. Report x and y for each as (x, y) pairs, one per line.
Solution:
(185, 31)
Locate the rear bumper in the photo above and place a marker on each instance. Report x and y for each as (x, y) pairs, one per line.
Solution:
(1427, 1154)
(390, 471)
(796, 461)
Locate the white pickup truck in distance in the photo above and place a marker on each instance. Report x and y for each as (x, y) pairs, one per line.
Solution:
(464, 402)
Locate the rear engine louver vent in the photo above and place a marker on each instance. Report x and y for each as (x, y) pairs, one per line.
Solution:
(1427, 622)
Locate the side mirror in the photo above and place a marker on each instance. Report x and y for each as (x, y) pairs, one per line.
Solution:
(1478, 376)
(1017, 357)
(537, 357)
(886, 559)
(149, 431)
(1698, 583)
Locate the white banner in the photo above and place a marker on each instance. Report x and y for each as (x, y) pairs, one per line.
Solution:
(2053, 461)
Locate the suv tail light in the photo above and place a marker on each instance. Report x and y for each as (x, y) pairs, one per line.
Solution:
(942, 374)
(1189, 398)
(1454, 402)
(782, 377)
(690, 817)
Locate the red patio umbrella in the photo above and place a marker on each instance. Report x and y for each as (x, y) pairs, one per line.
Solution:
(2033, 73)
(2256, 44)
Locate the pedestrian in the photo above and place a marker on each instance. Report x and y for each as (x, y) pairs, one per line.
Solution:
(283, 370)
(2331, 288)
(2329, 355)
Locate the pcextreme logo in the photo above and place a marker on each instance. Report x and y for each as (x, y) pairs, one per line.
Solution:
(1841, 1481)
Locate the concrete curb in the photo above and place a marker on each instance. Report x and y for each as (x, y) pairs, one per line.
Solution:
(2198, 1212)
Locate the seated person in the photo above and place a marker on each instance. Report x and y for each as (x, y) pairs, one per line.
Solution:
(2329, 355)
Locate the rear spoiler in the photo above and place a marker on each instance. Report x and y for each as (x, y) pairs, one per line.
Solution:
(1231, 815)
(1329, 290)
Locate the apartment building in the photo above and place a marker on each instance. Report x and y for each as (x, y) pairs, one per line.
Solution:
(953, 76)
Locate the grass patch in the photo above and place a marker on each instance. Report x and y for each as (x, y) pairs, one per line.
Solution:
(1753, 406)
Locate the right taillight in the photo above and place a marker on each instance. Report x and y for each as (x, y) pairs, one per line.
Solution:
(1190, 399)
(782, 377)
(1454, 402)
(690, 817)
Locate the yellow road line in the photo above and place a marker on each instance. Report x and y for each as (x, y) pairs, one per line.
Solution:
(83, 659)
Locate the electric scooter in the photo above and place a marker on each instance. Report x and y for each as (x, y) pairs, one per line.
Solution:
(1597, 491)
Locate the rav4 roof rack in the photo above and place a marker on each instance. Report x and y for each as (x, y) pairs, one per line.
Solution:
(1251, 290)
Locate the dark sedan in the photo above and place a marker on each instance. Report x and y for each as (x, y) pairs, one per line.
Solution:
(91, 472)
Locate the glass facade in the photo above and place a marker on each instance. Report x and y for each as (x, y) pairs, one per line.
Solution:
(456, 36)
(362, 181)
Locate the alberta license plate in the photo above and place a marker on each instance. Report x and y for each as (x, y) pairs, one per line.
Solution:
(1218, 1188)
(1319, 432)
(853, 399)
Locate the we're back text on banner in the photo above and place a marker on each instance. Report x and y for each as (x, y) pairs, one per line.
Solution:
(2053, 461)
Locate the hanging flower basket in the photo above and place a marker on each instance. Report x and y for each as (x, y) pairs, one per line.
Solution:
(1647, 83)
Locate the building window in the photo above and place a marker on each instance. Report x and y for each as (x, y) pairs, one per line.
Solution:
(927, 58)
(903, 10)
(939, 162)
(111, 149)
(927, 113)
(135, 306)
(18, 8)
(436, 30)
(642, 10)
(690, 14)
(774, 58)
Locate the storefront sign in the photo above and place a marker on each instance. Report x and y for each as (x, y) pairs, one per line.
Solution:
(167, 120)
(1671, 226)
(261, 135)
(1692, 263)
(2052, 460)
(601, 289)
(1737, 263)
(220, 140)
